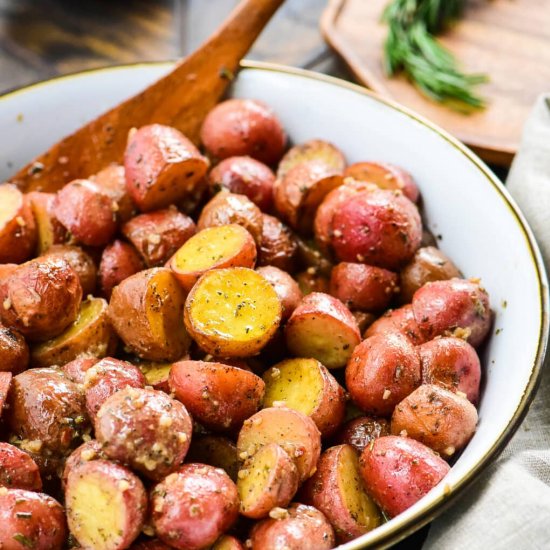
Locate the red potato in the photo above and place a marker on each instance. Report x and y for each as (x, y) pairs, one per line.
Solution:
(217, 451)
(227, 542)
(31, 520)
(285, 286)
(398, 321)
(363, 287)
(218, 396)
(244, 176)
(107, 377)
(91, 450)
(227, 208)
(322, 327)
(238, 127)
(377, 227)
(360, 431)
(386, 176)
(456, 307)
(112, 181)
(158, 235)
(5, 383)
(278, 246)
(76, 369)
(382, 371)
(399, 471)
(36, 290)
(161, 166)
(452, 364)
(156, 374)
(50, 231)
(119, 261)
(300, 527)
(440, 419)
(145, 429)
(337, 490)
(14, 351)
(18, 233)
(295, 432)
(106, 505)
(309, 281)
(18, 470)
(192, 507)
(87, 212)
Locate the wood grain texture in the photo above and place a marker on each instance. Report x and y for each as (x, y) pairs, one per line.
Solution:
(509, 40)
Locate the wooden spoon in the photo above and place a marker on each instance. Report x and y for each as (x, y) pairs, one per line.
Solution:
(180, 99)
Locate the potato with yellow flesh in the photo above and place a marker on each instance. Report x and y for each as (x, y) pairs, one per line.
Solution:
(156, 374)
(90, 335)
(268, 478)
(337, 490)
(48, 227)
(213, 248)
(106, 505)
(232, 312)
(227, 542)
(295, 432)
(146, 312)
(307, 386)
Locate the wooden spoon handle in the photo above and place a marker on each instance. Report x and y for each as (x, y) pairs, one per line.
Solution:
(181, 99)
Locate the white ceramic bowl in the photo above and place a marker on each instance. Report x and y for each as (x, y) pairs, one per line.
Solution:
(481, 228)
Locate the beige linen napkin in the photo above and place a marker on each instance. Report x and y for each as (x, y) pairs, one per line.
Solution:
(509, 507)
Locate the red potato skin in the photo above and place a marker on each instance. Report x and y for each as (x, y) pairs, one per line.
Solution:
(220, 397)
(112, 181)
(453, 364)
(360, 431)
(443, 306)
(18, 470)
(278, 247)
(87, 212)
(161, 167)
(34, 291)
(192, 507)
(7, 269)
(107, 377)
(238, 127)
(305, 528)
(363, 287)
(440, 419)
(245, 176)
(381, 372)
(398, 321)
(119, 261)
(5, 383)
(399, 471)
(76, 369)
(158, 235)
(14, 351)
(46, 531)
(91, 450)
(377, 227)
(285, 286)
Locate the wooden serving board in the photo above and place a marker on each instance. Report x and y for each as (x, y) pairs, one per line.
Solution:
(507, 39)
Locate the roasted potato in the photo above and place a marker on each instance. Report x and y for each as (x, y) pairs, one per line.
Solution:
(232, 312)
(112, 181)
(360, 431)
(40, 299)
(307, 386)
(156, 374)
(192, 507)
(382, 371)
(106, 505)
(161, 166)
(218, 396)
(31, 520)
(158, 235)
(285, 286)
(299, 527)
(238, 127)
(5, 384)
(398, 321)
(440, 419)
(399, 471)
(18, 232)
(295, 432)
(76, 369)
(310, 281)
(18, 470)
(244, 176)
(213, 248)
(278, 246)
(14, 352)
(227, 542)
(50, 231)
(322, 327)
(337, 490)
(90, 335)
(91, 450)
(217, 451)
(146, 312)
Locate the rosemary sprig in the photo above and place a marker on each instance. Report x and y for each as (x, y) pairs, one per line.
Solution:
(412, 47)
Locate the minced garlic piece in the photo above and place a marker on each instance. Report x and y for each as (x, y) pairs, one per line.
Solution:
(278, 513)
(386, 394)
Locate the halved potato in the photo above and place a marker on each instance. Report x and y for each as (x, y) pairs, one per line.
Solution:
(213, 248)
(49, 228)
(156, 374)
(90, 335)
(307, 386)
(232, 312)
